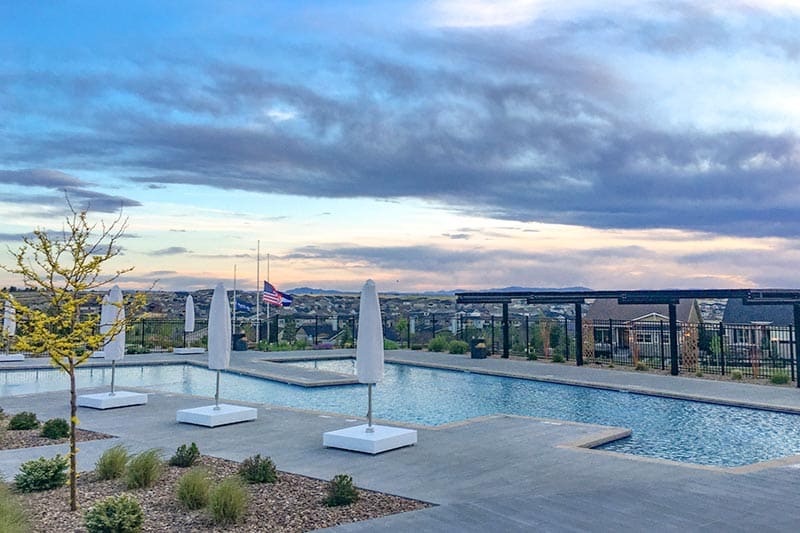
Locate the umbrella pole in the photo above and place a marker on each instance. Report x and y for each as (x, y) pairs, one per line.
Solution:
(184, 338)
(370, 429)
(216, 394)
(113, 370)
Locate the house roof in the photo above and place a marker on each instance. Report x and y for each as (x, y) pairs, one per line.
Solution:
(738, 313)
(609, 309)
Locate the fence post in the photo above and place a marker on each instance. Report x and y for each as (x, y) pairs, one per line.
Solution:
(408, 333)
(722, 348)
(566, 339)
(316, 328)
(433, 325)
(661, 343)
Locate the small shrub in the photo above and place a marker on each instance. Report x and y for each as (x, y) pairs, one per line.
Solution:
(257, 470)
(458, 347)
(41, 474)
(341, 491)
(390, 345)
(532, 356)
(699, 373)
(23, 420)
(13, 518)
(641, 366)
(736, 374)
(438, 344)
(111, 464)
(115, 514)
(193, 488)
(780, 378)
(416, 346)
(227, 502)
(185, 456)
(55, 428)
(558, 358)
(610, 365)
(143, 469)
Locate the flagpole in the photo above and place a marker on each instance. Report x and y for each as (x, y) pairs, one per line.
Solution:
(258, 292)
(267, 304)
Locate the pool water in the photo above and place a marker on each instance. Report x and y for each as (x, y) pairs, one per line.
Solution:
(666, 428)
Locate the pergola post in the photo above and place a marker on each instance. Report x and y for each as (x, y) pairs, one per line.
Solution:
(578, 334)
(505, 330)
(797, 342)
(673, 340)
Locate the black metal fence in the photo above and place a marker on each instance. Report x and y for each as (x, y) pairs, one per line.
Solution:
(757, 351)
(753, 350)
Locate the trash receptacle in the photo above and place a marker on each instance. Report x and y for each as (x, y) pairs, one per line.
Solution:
(477, 348)
(240, 342)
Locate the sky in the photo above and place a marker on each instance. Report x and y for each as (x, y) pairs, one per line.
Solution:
(428, 145)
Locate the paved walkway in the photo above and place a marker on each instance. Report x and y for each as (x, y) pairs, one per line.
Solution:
(501, 473)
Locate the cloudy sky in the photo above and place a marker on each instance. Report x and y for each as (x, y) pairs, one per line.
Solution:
(428, 145)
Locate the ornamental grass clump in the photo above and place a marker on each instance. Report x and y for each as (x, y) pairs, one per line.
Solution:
(42, 474)
(22, 421)
(438, 344)
(144, 469)
(736, 374)
(115, 514)
(55, 428)
(641, 366)
(780, 378)
(193, 488)
(341, 491)
(185, 456)
(13, 517)
(257, 470)
(558, 358)
(227, 502)
(458, 347)
(111, 464)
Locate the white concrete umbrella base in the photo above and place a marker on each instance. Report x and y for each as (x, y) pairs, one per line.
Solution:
(382, 439)
(210, 417)
(188, 350)
(106, 400)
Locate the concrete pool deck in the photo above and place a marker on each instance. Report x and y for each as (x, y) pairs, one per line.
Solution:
(502, 473)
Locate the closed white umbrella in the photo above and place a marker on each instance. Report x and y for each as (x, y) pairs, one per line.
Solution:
(9, 322)
(219, 334)
(9, 319)
(369, 350)
(112, 312)
(188, 323)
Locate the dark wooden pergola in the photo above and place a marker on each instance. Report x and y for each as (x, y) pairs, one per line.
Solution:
(668, 297)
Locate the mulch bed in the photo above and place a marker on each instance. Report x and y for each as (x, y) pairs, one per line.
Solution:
(29, 438)
(294, 503)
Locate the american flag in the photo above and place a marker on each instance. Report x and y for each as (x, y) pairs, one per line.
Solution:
(271, 295)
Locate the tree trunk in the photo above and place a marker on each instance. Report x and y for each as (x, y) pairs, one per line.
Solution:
(73, 419)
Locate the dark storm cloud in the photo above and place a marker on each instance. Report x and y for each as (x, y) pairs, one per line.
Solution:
(172, 250)
(76, 190)
(511, 124)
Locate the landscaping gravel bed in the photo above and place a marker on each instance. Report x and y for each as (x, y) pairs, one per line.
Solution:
(293, 503)
(28, 438)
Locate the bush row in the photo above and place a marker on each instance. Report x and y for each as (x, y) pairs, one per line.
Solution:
(226, 502)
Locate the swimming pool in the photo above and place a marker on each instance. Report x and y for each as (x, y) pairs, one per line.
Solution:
(666, 428)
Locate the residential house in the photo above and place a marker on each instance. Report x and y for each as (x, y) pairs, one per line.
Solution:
(767, 328)
(617, 329)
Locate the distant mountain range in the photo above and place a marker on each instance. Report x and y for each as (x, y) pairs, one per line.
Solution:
(332, 292)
